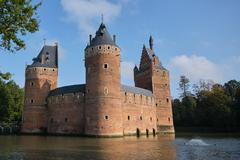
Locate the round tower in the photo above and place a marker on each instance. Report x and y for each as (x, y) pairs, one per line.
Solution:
(103, 112)
(40, 77)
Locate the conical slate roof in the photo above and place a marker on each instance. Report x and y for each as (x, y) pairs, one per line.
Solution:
(102, 37)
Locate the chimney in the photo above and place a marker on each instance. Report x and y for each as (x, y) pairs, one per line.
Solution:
(90, 39)
(114, 38)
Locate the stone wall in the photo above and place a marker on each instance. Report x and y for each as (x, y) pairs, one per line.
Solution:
(161, 91)
(66, 114)
(139, 114)
(103, 111)
(39, 81)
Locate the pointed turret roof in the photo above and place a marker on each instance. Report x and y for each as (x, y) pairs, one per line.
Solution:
(102, 37)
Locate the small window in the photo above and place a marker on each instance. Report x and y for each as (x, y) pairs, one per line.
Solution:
(128, 117)
(156, 104)
(47, 53)
(167, 100)
(32, 84)
(157, 119)
(53, 70)
(115, 49)
(105, 66)
(66, 120)
(105, 90)
(140, 117)
(125, 93)
(169, 119)
(108, 47)
(164, 73)
(92, 49)
(31, 100)
(44, 69)
(106, 117)
(99, 47)
(151, 119)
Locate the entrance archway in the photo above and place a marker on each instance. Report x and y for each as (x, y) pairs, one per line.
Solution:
(154, 132)
(138, 132)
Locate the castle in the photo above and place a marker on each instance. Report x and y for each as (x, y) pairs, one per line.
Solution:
(102, 106)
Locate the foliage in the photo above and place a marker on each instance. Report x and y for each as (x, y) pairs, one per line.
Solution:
(213, 105)
(11, 100)
(184, 86)
(17, 18)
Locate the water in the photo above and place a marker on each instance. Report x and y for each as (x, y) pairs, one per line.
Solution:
(132, 148)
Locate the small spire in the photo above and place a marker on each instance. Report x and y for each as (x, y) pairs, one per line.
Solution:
(151, 42)
(44, 41)
(102, 18)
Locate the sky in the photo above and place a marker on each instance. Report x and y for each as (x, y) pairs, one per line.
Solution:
(199, 39)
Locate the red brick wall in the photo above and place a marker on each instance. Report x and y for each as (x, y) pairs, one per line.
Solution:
(39, 81)
(161, 91)
(103, 112)
(139, 112)
(66, 114)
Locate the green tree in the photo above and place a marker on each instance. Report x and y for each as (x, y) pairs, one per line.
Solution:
(17, 18)
(184, 86)
(231, 88)
(11, 101)
(213, 108)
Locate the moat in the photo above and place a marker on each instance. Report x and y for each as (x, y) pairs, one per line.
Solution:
(158, 147)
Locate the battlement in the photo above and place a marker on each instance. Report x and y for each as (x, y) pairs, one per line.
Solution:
(138, 99)
(77, 97)
(101, 49)
(35, 72)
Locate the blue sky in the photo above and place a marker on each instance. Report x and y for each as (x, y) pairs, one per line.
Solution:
(199, 39)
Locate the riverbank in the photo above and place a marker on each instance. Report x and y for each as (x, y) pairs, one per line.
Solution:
(207, 131)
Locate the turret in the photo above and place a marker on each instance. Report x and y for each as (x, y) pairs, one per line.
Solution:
(103, 110)
(40, 78)
(153, 76)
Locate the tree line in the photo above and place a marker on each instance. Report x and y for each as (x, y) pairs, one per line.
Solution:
(208, 105)
(11, 101)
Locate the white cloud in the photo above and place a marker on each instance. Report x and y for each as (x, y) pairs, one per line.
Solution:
(85, 12)
(195, 67)
(127, 72)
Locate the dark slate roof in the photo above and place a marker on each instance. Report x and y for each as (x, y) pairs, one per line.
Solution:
(102, 37)
(48, 57)
(137, 90)
(81, 88)
(152, 55)
(68, 89)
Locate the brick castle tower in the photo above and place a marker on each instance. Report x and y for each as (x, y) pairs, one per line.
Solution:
(103, 111)
(153, 76)
(40, 78)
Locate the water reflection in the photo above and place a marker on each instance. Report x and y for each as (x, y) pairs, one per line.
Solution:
(71, 148)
